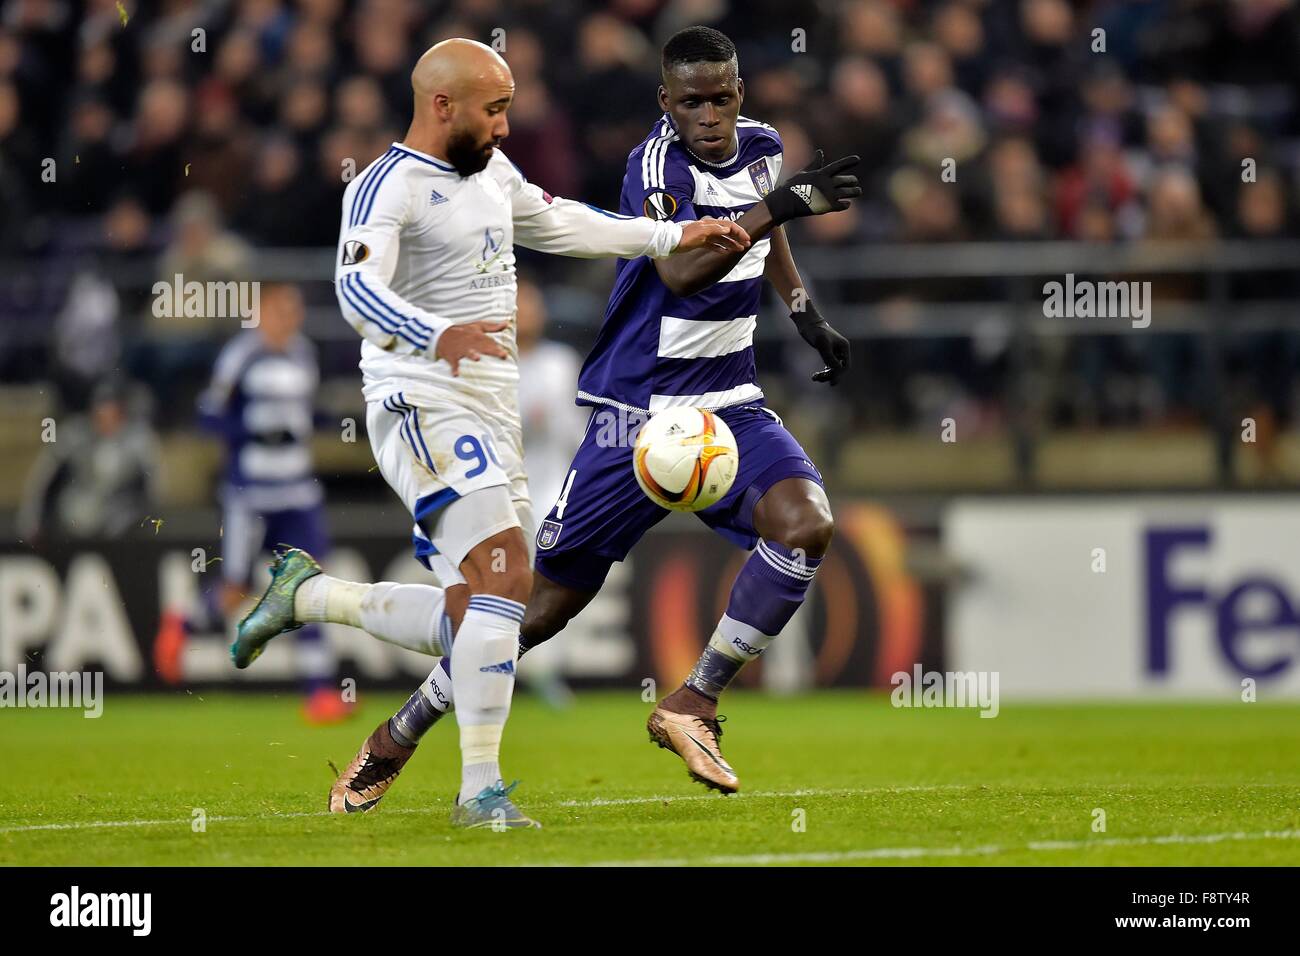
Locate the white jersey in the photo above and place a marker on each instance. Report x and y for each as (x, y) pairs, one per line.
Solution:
(422, 248)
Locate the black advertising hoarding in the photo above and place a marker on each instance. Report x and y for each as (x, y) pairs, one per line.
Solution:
(75, 606)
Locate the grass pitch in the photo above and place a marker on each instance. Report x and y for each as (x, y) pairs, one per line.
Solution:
(829, 778)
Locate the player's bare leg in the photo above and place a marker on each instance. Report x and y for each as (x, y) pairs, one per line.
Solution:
(793, 520)
(551, 606)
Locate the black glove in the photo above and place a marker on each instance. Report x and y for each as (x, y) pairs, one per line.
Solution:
(814, 190)
(830, 345)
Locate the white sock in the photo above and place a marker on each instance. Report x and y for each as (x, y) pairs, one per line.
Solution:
(407, 615)
(738, 640)
(329, 600)
(483, 672)
(437, 689)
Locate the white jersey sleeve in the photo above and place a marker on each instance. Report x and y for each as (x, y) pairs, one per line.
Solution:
(225, 373)
(553, 224)
(375, 209)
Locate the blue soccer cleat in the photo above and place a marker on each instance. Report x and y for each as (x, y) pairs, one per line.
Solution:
(273, 613)
(491, 808)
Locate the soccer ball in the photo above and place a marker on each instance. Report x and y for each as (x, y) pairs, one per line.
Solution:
(685, 459)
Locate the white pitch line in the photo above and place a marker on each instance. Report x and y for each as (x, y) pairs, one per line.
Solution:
(105, 824)
(756, 795)
(915, 852)
(595, 803)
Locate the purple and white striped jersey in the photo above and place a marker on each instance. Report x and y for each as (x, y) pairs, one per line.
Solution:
(656, 350)
(262, 403)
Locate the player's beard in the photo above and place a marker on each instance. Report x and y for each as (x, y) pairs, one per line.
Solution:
(467, 154)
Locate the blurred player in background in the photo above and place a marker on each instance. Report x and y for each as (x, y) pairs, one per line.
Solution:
(98, 477)
(548, 378)
(426, 275)
(261, 402)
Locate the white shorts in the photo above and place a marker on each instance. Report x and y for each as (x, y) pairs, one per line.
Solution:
(435, 454)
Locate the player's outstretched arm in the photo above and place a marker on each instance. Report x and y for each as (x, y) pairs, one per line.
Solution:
(818, 188)
(564, 227)
(719, 236)
(783, 275)
(567, 228)
(693, 271)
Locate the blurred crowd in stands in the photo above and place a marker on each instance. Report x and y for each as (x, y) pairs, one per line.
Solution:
(1108, 121)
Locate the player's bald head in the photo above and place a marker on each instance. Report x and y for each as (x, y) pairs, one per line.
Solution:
(459, 68)
(462, 90)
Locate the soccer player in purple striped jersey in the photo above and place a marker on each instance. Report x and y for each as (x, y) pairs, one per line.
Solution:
(679, 332)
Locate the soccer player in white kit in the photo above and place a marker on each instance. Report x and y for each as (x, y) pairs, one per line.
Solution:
(426, 275)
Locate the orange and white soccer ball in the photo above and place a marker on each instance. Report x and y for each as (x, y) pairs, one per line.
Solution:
(685, 459)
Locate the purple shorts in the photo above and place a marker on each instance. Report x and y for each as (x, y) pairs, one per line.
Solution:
(247, 533)
(605, 512)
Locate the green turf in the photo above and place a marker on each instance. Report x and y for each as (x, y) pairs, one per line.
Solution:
(875, 780)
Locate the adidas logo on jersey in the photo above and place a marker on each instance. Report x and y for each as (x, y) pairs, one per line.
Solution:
(803, 191)
(436, 198)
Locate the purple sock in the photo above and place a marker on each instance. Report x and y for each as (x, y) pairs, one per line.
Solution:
(768, 590)
(415, 717)
(413, 720)
(316, 665)
(207, 617)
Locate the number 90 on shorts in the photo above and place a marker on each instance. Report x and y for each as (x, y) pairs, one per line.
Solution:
(477, 450)
(424, 450)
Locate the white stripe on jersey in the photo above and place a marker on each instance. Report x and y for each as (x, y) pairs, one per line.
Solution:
(600, 400)
(751, 264)
(729, 192)
(279, 413)
(732, 396)
(660, 144)
(663, 159)
(652, 159)
(645, 161)
(273, 462)
(266, 498)
(704, 338)
(737, 189)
